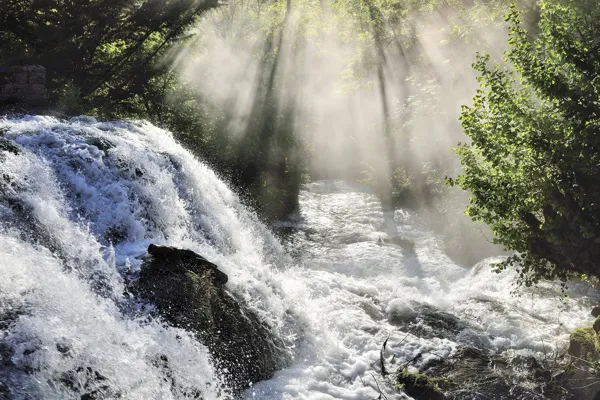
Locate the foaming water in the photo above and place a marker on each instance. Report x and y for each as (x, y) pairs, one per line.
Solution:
(81, 200)
(68, 192)
(361, 290)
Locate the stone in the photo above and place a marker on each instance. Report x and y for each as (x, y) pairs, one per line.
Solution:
(188, 292)
(22, 85)
(583, 343)
(20, 78)
(596, 311)
(37, 90)
(36, 77)
(419, 386)
(35, 69)
(9, 70)
(426, 321)
(8, 146)
(186, 259)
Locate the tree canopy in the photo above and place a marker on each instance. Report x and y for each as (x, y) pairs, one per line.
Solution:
(103, 52)
(533, 162)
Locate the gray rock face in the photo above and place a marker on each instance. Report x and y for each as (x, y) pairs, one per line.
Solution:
(188, 292)
(23, 84)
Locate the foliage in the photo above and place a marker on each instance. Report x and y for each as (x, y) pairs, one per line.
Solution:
(102, 51)
(402, 183)
(533, 162)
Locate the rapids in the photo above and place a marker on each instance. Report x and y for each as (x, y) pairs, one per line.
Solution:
(80, 200)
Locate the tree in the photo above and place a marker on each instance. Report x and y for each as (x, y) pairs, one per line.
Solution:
(102, 50)
(533, 163)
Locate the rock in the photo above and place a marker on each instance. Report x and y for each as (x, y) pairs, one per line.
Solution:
(472, 373)
(186, 259)
(23, 84)
(8, 146)
(596, 311)
(188, 292)
(419, 386)
(100, 143)
(583, 343)
(426, 321)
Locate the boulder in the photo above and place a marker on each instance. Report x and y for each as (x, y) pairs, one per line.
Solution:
(583, 344)
(24, 85)
(8, 146)
(185, 260)
(427, 321)
(419, 386)
(188, 291)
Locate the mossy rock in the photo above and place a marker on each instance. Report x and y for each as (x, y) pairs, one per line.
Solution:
(596, 325)
(419, 386)
(188, 292)
(584, 343)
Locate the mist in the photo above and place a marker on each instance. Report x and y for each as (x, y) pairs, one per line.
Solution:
(370, 94)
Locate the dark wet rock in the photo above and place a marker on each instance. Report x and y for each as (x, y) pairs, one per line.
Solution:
(8, 146)
(580, 380)
(89, 383)
(596, 325)
(477, 374)
(185, 260)
(426, 321)
(596, 311)
(100, 143)
(419, 386)
(188, 292)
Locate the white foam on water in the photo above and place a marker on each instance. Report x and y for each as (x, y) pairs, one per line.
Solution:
(83, 184)
(354, 284)
(79, 185)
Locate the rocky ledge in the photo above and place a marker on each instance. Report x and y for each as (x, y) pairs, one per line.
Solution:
(188, 291)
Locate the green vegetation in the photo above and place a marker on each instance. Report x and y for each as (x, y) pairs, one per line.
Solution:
(418, 386)
(584, 344)
(532, 165)
(101, 55)
(114, 59)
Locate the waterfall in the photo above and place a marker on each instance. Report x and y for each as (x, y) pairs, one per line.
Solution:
(81, 200)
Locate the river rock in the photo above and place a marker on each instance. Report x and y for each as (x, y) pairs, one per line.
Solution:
(188, 291)
(584, 344)
(8, 146)
(419, 386)
(426, 321)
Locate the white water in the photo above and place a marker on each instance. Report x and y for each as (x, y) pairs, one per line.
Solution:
(81, 181)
